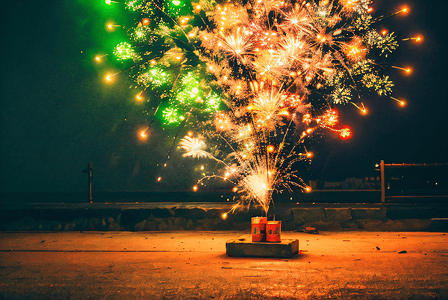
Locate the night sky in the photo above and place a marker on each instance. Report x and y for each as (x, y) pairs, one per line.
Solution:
(57, 115)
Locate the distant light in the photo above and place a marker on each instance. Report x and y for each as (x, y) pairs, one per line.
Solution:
(195, 188)
(224, 216)
(159, 178)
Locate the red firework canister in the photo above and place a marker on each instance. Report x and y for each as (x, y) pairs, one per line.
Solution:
(273, 231)
(259, 229)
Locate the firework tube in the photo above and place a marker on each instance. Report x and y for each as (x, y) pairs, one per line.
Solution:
(259, 229)
(273, 231)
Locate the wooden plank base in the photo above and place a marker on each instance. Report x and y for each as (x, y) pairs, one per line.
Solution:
(244, 247)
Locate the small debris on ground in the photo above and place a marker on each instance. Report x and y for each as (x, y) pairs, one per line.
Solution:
(402, 252)
(310, 230)
(378, 248)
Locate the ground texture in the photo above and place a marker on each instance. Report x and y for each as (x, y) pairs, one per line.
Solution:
(194, 265)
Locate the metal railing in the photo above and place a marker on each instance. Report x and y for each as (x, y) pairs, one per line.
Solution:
(383, 166)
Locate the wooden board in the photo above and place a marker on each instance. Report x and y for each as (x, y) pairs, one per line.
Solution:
(243, 246)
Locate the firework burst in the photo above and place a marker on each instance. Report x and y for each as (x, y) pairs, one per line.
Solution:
(258, 79)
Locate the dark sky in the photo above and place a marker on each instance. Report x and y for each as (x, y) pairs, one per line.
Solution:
(57, 115)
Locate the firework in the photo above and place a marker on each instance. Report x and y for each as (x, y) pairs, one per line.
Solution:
(258, 79)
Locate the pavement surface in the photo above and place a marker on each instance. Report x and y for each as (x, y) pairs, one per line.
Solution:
(194, 265)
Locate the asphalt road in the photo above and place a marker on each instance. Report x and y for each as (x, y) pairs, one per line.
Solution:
(194, 265)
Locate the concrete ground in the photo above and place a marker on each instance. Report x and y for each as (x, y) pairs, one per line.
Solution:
(194, 265)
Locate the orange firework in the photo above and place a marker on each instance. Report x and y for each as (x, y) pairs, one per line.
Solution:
(307, 118)
(354, 50)
(346, 133)
(330, 118)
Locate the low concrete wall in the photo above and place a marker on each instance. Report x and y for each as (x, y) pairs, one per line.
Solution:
(208, 217)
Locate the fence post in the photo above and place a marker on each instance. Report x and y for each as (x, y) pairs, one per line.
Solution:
(383, 183)
(89, 175)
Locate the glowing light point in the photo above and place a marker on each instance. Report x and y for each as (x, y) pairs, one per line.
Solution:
(139, 97)
(406, 70)
(270, 148)
(224, 216)
(416, 39)
(109, 78)
(308, 189)
(197, 9)
(143, 135)
(235, 189)
(112, 26)
(195, 188)
(99, 58)
(400, 102)
(346, 133)
(159, 178)
(309, 154)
